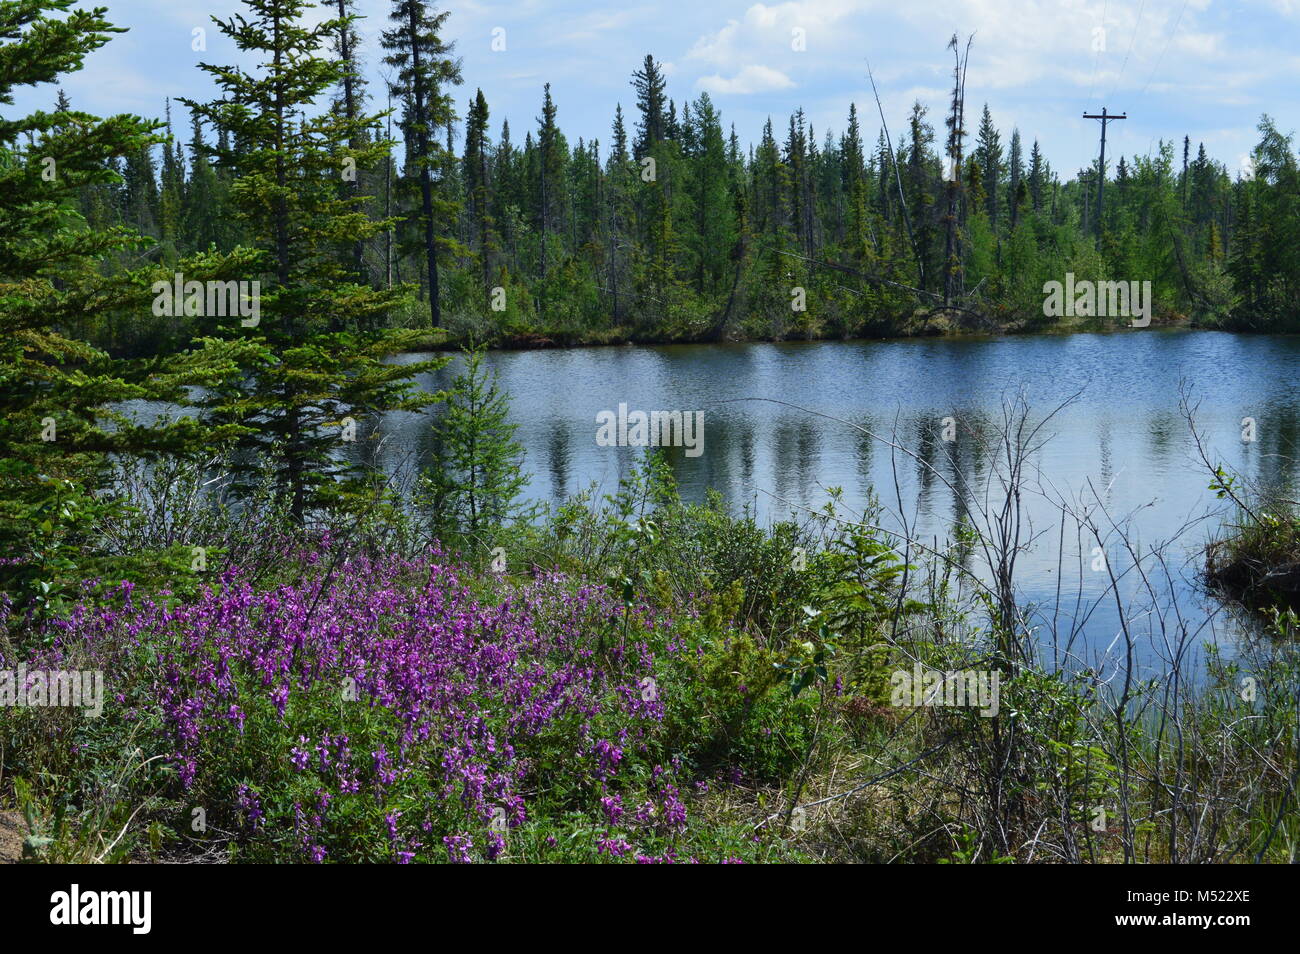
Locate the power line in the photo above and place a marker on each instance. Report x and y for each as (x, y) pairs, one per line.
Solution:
(1131, 41)
(1092, 80)
(1168, 40)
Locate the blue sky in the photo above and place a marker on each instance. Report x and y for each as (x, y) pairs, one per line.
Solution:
(1207, 68)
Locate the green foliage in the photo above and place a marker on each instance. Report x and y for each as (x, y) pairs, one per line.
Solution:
(1257, 562)
(549, 240)
(55, 389)
(968, 851)
(425, 70)
(476, 477)
(320, 366)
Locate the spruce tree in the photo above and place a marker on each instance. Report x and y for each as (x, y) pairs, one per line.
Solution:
(988, 151)
(171, 189)
(320, 374)
(57, 425)
(478, 186)
(351, 99)
(477, 475)
(551, 156)
(619, 153)
(920, 195)
(425, 69)
(204, 216)
(1037, 176)
(713, 234)
(853, 187)
(1015, 172)
(620, 185)
(503, 198)
(649, 84)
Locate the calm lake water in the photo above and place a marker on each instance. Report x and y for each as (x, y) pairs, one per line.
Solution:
(1122, 440)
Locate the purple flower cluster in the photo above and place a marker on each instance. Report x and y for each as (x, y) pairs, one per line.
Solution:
(389, 701)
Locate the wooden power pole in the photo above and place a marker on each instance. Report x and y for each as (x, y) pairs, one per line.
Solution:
(1101, 166)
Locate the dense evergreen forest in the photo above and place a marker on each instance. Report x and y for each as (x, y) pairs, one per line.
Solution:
(674, 229)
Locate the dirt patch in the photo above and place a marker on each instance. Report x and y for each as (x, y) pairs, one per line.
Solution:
(13, 830)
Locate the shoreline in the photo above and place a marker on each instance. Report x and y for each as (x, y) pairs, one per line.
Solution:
(438, 340)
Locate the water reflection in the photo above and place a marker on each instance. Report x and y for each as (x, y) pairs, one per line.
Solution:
(1119, 432)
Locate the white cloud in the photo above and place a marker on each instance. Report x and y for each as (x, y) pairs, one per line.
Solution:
(751, 79)
(769, 30)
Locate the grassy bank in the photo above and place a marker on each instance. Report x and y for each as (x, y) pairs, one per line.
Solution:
(1257, 562)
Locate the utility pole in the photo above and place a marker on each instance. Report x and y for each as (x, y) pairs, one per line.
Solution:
(1101, 166)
